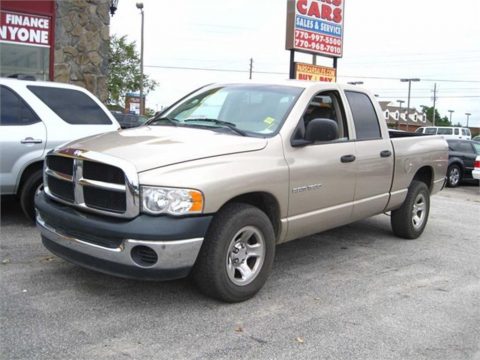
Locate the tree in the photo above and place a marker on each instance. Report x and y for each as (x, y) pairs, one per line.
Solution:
(439, 121)
(124, 67)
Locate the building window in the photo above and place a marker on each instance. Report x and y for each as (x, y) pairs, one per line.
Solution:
(25, 60)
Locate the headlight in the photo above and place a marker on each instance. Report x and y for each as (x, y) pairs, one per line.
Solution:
(161, 200)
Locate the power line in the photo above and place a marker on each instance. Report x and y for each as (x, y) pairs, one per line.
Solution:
(285, 73)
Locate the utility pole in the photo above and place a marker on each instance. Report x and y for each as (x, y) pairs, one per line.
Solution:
(434, 102)
(409, 92)
(468, 117)
(251, 68)
(400, 102)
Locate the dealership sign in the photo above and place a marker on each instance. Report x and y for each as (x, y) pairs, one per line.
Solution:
(315, 26)
(25, 29)
(314, 72)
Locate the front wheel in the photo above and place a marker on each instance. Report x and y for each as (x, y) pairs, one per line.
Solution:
(237, 254)
(32, 185)
(410, 219)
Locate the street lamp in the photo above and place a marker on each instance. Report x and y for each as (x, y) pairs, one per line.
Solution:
(400, 102)
(468, 117)
(409, 91)
(451, 112)
(140, 7)
(113, 6)
(355, 82)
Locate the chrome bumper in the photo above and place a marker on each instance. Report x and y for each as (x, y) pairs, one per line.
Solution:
(172, 255)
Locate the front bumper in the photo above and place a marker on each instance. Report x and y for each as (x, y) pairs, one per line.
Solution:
(146, 247)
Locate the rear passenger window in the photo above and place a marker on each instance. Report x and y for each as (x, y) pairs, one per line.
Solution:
(364, 116)
(13, 110)
(444, 131)
(457, 132)
(465, 147)
(72, 106)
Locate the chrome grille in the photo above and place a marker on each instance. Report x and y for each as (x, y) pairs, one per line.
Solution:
(93, 182)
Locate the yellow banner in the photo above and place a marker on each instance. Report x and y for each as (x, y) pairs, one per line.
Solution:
(314, 73)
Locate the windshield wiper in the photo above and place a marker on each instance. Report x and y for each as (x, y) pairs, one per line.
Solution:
(222, 123)
(166, 119)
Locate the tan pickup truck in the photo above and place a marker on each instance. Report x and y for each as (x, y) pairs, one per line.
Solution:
(212, 184)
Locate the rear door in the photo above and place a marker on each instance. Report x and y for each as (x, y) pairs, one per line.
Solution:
(22, 138)
(374, 158)
(466, 152)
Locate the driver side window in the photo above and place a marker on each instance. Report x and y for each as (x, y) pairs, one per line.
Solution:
(324, 105)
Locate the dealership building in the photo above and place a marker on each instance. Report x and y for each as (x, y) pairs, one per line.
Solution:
(57, 40)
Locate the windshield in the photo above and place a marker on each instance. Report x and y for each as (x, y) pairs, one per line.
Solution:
(253, 110)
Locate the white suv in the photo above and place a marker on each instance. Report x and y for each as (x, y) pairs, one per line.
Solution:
(35, 117)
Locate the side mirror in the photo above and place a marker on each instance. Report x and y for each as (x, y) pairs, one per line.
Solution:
(321, 130)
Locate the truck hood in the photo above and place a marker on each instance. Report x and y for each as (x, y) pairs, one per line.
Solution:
(150, 147)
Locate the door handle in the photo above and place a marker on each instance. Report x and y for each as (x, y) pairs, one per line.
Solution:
(30, 140)
(347, 158)
(386, 153)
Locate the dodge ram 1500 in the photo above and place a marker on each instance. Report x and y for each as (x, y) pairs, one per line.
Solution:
(212, 184)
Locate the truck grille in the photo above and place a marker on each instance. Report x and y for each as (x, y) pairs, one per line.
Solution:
(91, 185)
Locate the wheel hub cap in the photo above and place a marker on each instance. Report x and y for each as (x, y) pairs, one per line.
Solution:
(419, 211)
(245, 256)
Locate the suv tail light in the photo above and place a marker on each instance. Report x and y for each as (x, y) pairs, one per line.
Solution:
(476, 164)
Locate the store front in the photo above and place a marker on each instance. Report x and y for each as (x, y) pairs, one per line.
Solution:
(26, 38)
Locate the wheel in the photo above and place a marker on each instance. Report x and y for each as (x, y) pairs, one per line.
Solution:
(237, 254)
(454, 175)
(27, 194)
(410, 219)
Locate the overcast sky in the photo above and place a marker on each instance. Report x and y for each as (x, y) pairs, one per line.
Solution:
(437, 41)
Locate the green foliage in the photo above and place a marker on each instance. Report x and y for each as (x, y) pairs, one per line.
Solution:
(439, 121)
(124, 71)
(149, 112)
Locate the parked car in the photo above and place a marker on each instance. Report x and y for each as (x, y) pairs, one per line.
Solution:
(461, 159)
(476, 168)
(447, 132)
(215, 182)
(476, 138)
(35, 117)
(127, 121)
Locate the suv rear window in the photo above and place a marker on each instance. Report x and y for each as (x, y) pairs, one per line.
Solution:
(72, 106)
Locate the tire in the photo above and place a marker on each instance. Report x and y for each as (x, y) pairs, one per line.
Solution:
(27, 194)
(410, 219)
(454, 175)
(221, 267)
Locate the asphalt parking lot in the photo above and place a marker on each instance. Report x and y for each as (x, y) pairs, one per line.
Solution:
(356, 292)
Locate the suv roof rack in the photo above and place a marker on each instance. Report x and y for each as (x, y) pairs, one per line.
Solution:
(22, 77)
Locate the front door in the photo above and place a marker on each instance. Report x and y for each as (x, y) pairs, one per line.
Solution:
(22, 138)
(322, 175)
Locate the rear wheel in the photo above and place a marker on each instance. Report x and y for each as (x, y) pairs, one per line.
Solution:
(237, 254)
(454, 175)
(410, 219)
(27, 194)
